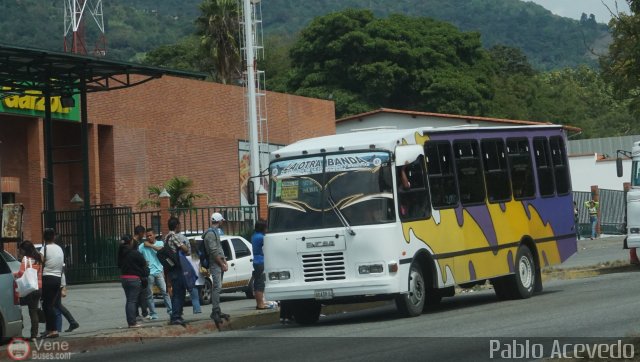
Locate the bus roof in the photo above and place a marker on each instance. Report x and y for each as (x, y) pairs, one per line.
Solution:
(383, 138)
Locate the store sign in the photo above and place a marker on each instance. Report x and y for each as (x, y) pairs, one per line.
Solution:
(32, 104)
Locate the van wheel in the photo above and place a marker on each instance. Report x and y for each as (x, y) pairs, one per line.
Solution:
(522, 284)
(248, 291)
(412, 303)
(305, 311)
(205, 292)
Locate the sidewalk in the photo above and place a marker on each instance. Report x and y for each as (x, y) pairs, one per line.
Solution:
(99, 308)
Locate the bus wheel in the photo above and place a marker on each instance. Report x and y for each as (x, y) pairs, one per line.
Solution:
(525, 274)
(306, 311)
(522, 283)
(412, 303)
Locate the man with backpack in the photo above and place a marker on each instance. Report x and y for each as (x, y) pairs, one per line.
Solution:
(176, 242)
(214, 256)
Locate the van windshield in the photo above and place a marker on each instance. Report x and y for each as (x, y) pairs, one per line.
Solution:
(360, 184)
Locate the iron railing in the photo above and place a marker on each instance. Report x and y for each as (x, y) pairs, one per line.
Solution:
(239, 220)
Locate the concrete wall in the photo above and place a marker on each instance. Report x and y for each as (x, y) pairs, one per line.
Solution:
(586, 171)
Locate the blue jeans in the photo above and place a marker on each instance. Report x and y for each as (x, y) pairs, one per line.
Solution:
(61, 310)
(594, 222)
(178, 295)
(195, 299)
(158, 280)
(132, 289)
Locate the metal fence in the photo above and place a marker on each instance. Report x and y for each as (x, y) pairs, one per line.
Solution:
(239, 219)
(90, 238)
(612, 210)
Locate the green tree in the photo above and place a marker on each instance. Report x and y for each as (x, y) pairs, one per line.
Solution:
(621, 66)
(401, 62)
(218, 28)
(179, 189)
(183, 55)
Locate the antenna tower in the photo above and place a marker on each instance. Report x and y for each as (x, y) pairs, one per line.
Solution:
(75, 14)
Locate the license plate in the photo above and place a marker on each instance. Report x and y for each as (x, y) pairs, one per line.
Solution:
(324, 293)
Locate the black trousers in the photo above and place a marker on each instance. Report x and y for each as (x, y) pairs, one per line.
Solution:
(50, 298)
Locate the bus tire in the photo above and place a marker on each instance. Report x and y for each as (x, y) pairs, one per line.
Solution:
(305, 312)
(525, 277)
(412, 303)
(520, 285)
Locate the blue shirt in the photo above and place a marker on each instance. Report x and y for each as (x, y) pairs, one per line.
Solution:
(257, 241)
(150, 256)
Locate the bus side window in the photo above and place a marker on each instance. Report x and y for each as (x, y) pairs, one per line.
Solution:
(469, 169)
(413, 199)
(442, 179)
(543, 166)
(496, 174)
(560, 169)
(520, 166)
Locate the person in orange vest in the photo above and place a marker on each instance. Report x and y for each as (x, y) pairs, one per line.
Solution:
(593, 206)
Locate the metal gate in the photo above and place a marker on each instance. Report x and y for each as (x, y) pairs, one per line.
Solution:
(612, 209)
(90, 240)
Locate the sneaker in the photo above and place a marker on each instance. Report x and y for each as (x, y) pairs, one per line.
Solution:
(137, 325)
(152, 317)
(178, 322)
(73, 326)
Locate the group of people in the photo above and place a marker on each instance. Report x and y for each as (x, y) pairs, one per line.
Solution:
(49, 265)
(141, 269)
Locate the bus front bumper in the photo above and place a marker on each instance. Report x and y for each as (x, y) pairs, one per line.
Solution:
(332, 290)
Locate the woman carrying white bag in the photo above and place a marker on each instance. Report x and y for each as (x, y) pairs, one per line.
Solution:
(30, 266)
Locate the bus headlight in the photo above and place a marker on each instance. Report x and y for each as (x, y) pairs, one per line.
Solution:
(371, 269)
(281, 275)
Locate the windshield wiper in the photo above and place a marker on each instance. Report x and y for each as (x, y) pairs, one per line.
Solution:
(340, 216)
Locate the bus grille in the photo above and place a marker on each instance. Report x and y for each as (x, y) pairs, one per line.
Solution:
(323, 266)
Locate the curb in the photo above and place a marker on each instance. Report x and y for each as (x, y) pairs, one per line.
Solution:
(590, 271)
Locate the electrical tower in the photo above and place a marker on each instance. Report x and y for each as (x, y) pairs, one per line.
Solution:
(75, 14)
(254, 82)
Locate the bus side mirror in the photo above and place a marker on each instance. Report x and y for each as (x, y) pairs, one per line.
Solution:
(251, 192)
(619, 169)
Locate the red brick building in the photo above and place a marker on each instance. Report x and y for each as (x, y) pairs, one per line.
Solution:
(145, 135)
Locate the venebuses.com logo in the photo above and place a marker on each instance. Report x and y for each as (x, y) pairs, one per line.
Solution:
(19, 349)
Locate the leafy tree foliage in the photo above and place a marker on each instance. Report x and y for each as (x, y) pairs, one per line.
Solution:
(410, 63)
(179, 189)
(621, 67)
(218, 27)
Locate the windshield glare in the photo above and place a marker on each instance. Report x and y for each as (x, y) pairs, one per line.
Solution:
(359, 183)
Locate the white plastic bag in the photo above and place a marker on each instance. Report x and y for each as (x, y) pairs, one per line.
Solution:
(28, 282)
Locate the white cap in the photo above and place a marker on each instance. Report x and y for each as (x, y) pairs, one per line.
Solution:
(216, 217)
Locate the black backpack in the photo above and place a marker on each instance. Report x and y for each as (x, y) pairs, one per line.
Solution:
(168, 257)
(202, 251)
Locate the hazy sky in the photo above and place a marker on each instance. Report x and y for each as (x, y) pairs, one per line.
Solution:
(575, 8)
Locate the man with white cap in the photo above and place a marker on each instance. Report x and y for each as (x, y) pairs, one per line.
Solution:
(217, 265)
(216, 223)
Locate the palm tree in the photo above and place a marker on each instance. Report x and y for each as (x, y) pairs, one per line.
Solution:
(219, 29)
(179, 190)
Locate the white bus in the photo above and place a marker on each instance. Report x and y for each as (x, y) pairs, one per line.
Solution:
(408, 214)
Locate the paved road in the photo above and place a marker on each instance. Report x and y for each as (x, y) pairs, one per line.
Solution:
(100, 307)
(605, 306)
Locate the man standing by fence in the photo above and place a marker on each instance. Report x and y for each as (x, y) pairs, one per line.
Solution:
(217, 265)
(149, 250)
(592, 207)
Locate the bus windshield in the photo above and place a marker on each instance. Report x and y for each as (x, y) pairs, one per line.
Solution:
(360, 184)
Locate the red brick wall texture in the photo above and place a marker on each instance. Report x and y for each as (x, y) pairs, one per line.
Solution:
(181, 127)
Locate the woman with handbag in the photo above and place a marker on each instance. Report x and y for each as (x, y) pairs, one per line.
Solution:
(27, 253)
(53, 262)
(133, 275)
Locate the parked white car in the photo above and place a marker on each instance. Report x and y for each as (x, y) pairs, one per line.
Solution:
(239, 254)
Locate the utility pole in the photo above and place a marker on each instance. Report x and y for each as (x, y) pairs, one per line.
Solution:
(251, 96)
